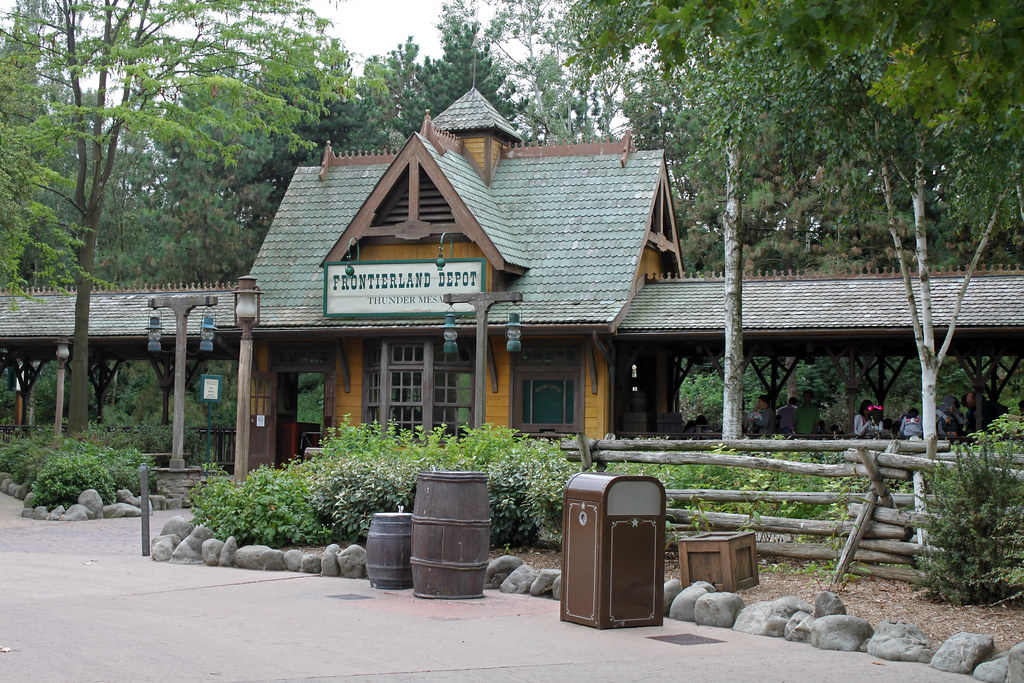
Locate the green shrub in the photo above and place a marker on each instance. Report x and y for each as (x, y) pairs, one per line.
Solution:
(347, 498)
(366, 470)
(271, 508)
(65, 475)
(976, 530)
(23, 457)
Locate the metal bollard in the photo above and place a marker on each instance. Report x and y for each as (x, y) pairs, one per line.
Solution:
(144, 503)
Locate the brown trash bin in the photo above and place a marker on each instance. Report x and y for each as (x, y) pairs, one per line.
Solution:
(388, 549)
(613, 550)
(451, 535)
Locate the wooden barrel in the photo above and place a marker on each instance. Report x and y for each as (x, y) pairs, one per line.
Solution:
(388, 547)
(451, 535)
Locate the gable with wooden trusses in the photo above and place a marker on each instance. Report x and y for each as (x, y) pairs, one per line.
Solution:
(572, 227)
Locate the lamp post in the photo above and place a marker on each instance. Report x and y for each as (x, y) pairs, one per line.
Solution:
(247, 316)
(182, 306)
(482, 303)
(62, 359)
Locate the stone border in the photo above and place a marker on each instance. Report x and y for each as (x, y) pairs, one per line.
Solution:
(89, 506)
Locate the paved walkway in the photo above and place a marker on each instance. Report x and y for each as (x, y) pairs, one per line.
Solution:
(78, 602)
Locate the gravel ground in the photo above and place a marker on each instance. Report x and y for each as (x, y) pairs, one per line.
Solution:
(873, 599)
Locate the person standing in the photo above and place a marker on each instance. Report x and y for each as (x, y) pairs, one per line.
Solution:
(762, 418)
(787, 414)
(807, 416)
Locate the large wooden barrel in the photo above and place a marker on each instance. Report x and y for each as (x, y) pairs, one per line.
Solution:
(388, 548)
(451, 535)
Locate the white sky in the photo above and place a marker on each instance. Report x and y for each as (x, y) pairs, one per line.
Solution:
(373, 27)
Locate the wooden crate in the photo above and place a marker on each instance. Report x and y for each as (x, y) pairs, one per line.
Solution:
(724, 558)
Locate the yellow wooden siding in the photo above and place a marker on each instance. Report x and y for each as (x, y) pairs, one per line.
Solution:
(650, 263)
(419, 252)
(477, 149)
(350, 403)
(260, 356)
(595, 418)
(497, 407)
(496, 148)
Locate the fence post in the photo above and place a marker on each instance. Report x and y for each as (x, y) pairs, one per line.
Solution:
(144, 503)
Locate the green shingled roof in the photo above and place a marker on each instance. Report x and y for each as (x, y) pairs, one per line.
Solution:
(576, 223)
(472, 111)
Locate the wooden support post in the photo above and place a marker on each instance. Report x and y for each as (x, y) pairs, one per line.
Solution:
(853, 540)
(919, 505)
(877, 483)
(585, 457)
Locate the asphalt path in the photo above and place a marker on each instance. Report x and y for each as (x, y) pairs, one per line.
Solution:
(78, 602)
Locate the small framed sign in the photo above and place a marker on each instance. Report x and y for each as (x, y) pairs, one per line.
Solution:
(210, 388)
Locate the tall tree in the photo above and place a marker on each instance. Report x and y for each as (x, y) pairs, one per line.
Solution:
(130, 65)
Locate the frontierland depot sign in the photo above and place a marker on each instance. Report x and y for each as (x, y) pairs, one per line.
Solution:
(399, 287)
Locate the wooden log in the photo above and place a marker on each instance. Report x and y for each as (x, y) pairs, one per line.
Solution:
(890, 573)
(806, 497)
(908, 518)
(889, 546)
(742, 461)
(585, 457)
(859, 527)
(753, 445)
(817, 551)
(727, 521)
(877, 483)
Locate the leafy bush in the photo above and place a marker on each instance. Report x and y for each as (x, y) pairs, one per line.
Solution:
(271, 508)
(22, 458)
(977, 529)
(366, 469)
(65, 475)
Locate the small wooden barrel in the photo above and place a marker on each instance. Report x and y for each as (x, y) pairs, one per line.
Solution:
(451, 535)
(388, 547)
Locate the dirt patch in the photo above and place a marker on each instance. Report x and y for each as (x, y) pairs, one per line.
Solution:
(869, 598)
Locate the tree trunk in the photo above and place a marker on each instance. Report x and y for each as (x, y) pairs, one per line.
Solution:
(732, 409)
(78, 411)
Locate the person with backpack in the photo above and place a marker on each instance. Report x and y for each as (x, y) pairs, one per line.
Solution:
(910, 427)
(949, 421)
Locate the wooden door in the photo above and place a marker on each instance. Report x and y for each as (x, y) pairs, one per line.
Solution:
(262, 419)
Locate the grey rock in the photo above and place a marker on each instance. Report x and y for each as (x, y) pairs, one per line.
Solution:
(717, 609)
(499, 569)
(27, 513)
(769, 617)
(272, 560)
(669, 592)
(897, 641)
(542, 584)
(828, 604)
(123, 496)
(179, 526)
(352, 562)
(162, 550)
(55, 513)
(684, 604)
(993, 671)
(118, 510)
(22, 491)
(211, 551)
(227, 553)
(39, 512)
(293, 560)
(5, 481)
(329, 560)
(248, 556)
(798, 628)
(199, 535)
(91, 499)
(556, 588)
(30, 499)
(962, 652)
(840, 632)
(174, 538)
(157, 502)
(186, 554)
(1015, 664)
(520, 580)
(173, 504)
(76, 513)
(310, 563)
